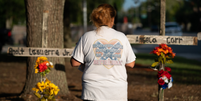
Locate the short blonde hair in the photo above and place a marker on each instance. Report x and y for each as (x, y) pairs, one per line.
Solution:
(102, 15)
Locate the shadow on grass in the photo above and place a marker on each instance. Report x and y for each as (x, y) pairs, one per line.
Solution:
(186, 76)
(10, 97)
(180, 75)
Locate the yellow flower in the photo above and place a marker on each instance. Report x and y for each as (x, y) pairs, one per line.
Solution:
(51, 66)
(42, 58)
(56, 91)
(41, 86)
(47, 82)
(51, 92)
(36, 70)
(36, 65)
(38, 60)
(53, 89)
(35, 89)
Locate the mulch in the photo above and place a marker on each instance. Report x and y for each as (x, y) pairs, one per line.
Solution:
(142, 84)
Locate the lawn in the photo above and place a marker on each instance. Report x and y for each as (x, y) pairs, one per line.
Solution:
(182, 69)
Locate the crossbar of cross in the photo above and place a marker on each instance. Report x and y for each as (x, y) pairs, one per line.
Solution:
(133, 39)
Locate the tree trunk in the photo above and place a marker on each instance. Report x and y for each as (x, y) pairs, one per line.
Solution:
(51, 33)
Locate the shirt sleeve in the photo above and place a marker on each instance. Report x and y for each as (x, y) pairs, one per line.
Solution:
(130, 55)
(78, 51)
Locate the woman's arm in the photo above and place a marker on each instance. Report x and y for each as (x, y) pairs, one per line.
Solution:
(131, 65)
(74, 63)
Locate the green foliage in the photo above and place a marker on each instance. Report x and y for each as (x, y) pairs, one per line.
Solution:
(75, 11)
(14, 9)
(172, 8)
(189, 13)
(154, 64)
(151, 10)
(161, 59)
(38, 95)
(76, 8)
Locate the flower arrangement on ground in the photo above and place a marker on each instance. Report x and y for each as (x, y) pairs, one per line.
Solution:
(164, 78)
(43, 66)
(164, 55)
(46, 90)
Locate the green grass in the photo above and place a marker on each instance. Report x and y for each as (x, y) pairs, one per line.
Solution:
(185, 71)
(179, 62)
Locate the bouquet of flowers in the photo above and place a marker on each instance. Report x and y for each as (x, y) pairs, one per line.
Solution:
(43, 66)
(164, 78)
(164, 54)
(45, 90)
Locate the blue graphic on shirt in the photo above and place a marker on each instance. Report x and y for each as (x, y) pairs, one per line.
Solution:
(108, 51)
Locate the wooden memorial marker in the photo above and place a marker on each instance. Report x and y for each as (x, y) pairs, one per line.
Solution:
(199, 36)
(133, 39)
(36, 52)
(156, 39)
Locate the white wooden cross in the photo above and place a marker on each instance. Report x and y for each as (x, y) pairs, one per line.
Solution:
(133, 39)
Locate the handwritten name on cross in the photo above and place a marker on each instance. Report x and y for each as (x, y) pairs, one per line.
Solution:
(133, 39)
(36, 52)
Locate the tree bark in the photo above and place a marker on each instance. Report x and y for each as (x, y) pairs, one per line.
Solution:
(53, 36)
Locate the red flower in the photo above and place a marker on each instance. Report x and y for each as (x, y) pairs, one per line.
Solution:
(165, 73)
(164, 46)
(168, 75)
(161, 82)
(160, 73)
(168, 69)
(42, 67)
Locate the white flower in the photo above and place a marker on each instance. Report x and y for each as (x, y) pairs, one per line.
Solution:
(169, 85)
(47, 64)
(51, 63)
(165, 79)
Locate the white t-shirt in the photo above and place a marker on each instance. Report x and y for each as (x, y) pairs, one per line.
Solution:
(104, 54)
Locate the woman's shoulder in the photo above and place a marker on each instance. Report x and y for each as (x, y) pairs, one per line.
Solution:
(121, 34)
(89, 33)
